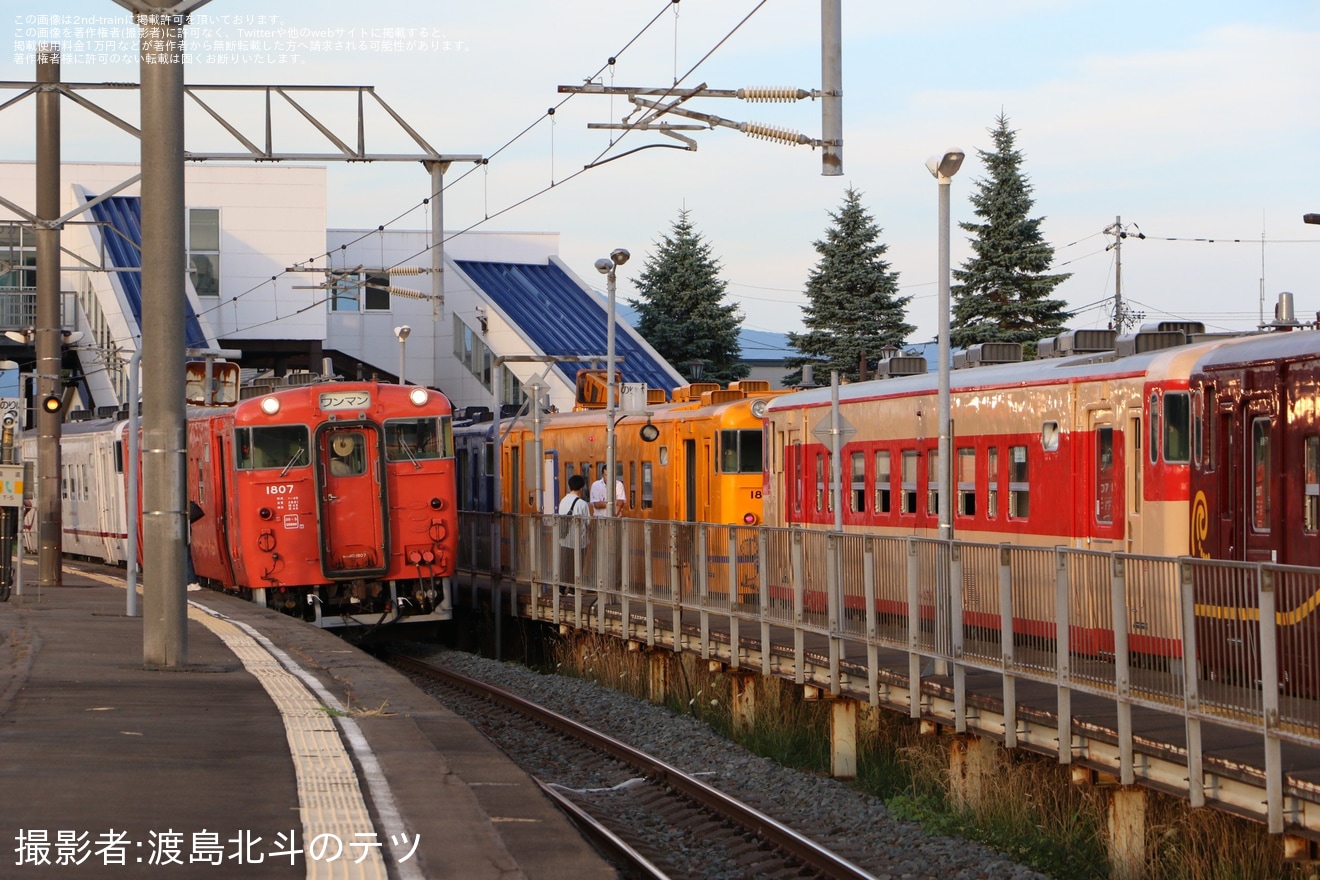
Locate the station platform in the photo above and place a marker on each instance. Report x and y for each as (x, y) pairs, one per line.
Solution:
(279, 750)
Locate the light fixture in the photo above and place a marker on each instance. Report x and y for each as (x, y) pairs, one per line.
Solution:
(52, 403)
(947, 165)
(650, 433)
(419, 396)
(758, 409)
(270, 405)
(402, 332)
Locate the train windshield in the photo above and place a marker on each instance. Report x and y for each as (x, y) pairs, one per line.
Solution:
(281, 446)
(419, 439)
(740, 452)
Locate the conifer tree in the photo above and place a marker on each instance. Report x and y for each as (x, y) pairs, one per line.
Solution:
(680, 309)
(853, 303)
(1003, 291)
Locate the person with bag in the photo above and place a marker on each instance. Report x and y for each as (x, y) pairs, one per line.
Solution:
(574, 514)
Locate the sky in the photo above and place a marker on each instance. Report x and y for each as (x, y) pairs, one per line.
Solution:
(1196, 123)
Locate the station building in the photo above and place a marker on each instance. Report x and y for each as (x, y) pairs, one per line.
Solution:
(268, 279)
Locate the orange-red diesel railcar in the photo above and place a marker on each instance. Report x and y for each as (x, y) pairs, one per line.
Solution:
(334, 502)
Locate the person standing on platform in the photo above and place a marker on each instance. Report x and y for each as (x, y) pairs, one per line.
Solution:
(574, 516)
(607, 536)
(599, 505)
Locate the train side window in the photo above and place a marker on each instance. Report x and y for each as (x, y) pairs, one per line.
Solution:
(632, 484)
(824, 487)
(1154, 415)
(992, 482)
(648, 498)
(1049, 436)
(859, 482)
(909, 477)
(1311, 488)
(882, 481)
(1135, 503)
(1260, 475)
(1177, 424)
(568, 471)
(86, 483)
(799, 488)
(933, 483)
(1198, 427)
(119, 456)
(489, 460)
(967, 481)
(1019, 483)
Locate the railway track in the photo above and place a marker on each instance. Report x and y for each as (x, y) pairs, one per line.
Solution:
(655, 820)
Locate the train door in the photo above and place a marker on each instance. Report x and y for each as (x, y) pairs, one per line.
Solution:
(515, 476)
(1132, 489)
(550, 482)
(1259, 460)
(1105, 481)
(224, 541)
(690, 480)
(352, 502)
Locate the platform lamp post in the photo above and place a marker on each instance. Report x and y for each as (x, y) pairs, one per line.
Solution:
(943, 168)
(402, 332)
(608, 266)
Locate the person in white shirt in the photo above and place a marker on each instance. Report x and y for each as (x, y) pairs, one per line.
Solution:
(599, 506)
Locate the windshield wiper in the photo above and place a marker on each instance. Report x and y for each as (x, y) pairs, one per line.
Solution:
(403, 444)
(297, 455)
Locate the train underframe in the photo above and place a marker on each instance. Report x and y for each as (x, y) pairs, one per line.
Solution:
(361, 602)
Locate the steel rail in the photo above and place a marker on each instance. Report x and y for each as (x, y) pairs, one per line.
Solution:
(780, 835)
(640, 865)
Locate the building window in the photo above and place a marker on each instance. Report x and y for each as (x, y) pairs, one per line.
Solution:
(471, 351)
(346, 292)
(376, 292)
(204, 250)
(18, 254)
(356, 292)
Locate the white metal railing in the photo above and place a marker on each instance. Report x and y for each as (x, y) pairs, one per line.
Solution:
(1236, 644)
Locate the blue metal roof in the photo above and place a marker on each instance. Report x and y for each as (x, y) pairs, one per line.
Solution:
(561, 318)
(123, 244)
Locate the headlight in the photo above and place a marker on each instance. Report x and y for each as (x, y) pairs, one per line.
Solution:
(419, 396)
(758, 409)
(270, 405)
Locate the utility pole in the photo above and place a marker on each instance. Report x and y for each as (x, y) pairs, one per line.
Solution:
(1120, 232)
(48, 336)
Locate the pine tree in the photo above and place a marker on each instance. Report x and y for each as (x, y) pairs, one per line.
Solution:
(680, 309)
(1002, 294)
(854, 306)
